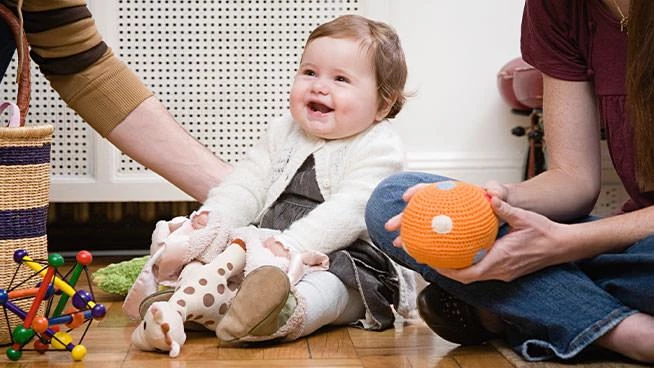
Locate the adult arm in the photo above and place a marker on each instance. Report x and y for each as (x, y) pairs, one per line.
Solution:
(536, 242)
(567, 190)
(110, 97)
(151, 136)
(570, 186)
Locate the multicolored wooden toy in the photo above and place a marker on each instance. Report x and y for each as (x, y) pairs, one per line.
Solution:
(51, 294)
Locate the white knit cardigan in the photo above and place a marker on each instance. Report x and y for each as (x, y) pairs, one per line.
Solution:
(347, 171)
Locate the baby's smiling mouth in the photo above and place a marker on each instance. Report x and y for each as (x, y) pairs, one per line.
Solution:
(318, 107)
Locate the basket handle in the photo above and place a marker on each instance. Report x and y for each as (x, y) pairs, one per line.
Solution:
(23, 96)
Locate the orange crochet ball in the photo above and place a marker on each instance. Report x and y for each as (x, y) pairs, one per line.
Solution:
(449, 224)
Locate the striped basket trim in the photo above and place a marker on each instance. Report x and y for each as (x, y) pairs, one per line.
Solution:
(24, 186)
(21, 155)
(36, 248)
(36, 134)
(28, 223)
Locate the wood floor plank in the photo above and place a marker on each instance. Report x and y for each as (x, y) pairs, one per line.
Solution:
(431, 361)
(413, 339)
(487, 360)
(298, 349)
(395, 361)
(283, 363)
(410, 345)
(331, 343)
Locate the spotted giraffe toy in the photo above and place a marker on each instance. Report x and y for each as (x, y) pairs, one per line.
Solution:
(202, 296)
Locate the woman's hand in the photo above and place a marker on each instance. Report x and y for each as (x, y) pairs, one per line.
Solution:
(496, 189)
(393, 224)
(533, 243)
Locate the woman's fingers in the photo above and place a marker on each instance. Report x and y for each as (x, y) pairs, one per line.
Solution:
(411, 191)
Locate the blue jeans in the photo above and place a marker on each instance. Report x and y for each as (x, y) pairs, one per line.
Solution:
(555, 312)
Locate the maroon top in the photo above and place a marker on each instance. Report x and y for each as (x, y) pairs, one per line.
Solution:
(580, 40)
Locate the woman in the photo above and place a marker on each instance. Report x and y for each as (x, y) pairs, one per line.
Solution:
(557, 282)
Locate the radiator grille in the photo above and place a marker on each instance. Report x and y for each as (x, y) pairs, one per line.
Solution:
(222, 68)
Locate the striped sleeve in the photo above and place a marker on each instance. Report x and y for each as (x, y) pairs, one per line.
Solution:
(70, 52)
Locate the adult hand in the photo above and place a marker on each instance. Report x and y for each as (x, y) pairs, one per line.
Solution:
(496, 189)
(533, 243)
(393, 224)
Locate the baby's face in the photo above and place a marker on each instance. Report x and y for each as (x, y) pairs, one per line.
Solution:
(334, 94)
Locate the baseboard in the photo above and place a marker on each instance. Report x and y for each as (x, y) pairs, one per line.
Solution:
(144, 186)
(471, 167)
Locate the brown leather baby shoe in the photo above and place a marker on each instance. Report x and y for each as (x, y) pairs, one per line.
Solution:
(256, 306)
(159, 296)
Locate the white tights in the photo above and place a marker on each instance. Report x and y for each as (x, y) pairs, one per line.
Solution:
(328, 301)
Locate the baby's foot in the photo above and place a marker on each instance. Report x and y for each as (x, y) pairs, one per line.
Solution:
(256, 306)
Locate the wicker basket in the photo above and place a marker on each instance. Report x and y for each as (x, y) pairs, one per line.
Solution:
(24, 186)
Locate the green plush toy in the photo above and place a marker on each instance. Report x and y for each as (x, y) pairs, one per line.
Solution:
(117, 278)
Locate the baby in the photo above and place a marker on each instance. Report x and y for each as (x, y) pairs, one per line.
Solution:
(304, 186)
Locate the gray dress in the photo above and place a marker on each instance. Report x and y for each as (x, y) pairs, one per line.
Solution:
(360, 266)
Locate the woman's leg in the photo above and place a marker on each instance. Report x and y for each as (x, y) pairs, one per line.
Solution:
(558, 311)
(385, 202)
(633, 337)
(628, 277)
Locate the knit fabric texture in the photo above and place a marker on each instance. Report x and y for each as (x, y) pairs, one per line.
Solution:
(449, 224)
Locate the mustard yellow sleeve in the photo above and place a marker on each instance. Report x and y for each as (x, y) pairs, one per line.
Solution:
(70, 52)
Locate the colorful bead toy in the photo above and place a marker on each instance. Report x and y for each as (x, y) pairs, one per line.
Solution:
(45, 328)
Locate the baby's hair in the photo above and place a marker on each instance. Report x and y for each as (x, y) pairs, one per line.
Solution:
(384, 48)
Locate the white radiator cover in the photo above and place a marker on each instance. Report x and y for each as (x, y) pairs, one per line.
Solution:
(222, 68)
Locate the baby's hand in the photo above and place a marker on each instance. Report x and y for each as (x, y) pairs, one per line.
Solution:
(200, 220)
(276, 247)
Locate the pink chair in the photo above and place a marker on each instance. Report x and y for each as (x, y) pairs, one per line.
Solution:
(521, 87)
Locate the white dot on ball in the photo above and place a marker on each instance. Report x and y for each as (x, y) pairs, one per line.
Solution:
(441, 224)
(445, 185)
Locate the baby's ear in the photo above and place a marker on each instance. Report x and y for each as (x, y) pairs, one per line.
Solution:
(384, 108)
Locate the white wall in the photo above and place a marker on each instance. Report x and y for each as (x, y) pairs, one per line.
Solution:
(457, 123)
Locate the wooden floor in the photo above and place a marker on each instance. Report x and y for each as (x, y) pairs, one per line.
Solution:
(409, 345)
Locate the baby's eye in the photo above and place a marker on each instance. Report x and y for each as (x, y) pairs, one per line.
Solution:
(341, 78)
(309, 72)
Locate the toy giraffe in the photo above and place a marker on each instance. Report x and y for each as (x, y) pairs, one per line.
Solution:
(202, 296)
